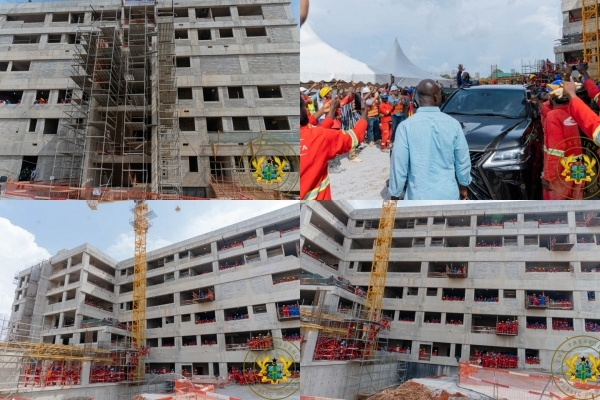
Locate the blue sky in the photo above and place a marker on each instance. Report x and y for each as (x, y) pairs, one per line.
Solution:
(437, 35)
(31, 231)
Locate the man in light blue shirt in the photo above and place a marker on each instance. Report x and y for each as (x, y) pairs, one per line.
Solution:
(430, 152)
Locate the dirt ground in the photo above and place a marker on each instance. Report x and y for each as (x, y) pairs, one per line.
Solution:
(414, 391)
(365, 180)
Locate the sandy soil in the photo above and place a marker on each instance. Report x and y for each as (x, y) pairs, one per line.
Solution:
(365, 180)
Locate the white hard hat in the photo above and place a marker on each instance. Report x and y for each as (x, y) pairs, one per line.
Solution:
(365, 90)
(394, 87)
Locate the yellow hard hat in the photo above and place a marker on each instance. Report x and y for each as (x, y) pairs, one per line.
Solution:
(324, 91)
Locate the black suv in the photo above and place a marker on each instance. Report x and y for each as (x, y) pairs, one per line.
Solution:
(504, 141)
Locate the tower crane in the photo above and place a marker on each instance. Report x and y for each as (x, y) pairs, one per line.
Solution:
(589, 33)
(378, 275)
(141, 222)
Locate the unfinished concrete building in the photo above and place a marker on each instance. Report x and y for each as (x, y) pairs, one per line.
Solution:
(514, 279)
(569, 48)
(209, 299)
(150, 95)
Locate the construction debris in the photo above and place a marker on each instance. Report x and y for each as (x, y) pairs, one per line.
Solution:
(414, 391)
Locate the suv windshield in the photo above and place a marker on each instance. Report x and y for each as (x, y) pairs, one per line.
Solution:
(487, 102)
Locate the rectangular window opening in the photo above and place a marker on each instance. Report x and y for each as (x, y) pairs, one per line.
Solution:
(204, 34)
(277, 123)
(269, 92)
(225, 33)
(256, 31)
(193, 161)
(235, 92)
(240, 124)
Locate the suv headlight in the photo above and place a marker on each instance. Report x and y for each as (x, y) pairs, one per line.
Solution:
(509, 159)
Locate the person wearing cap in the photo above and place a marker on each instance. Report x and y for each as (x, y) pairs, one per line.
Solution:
(385, 115)
(431, 155)
(373, 114)
(322, 97)
(398, 102)
(305, 93)
(561, 139)
(319, 144)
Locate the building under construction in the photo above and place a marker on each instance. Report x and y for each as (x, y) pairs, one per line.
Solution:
(579, 41)
(498, 285)
(211, 302)
(149, 96)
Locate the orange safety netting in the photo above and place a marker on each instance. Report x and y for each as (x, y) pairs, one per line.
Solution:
(506, 384)
(45, 191)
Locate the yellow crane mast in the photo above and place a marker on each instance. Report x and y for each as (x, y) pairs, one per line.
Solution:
(378, 275)
(589, 33)
(141, 223)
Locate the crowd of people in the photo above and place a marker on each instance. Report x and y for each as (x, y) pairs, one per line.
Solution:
(292, 310)
(508, 327)
(227, 265)
(560, 324)
(260, 342)
(592, 327)
(493, 359)
(431, 158)
(536, 325)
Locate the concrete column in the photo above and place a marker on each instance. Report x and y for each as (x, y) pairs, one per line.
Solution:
(176, 298)
(473, 221)
(69, 262)
(571, 219)
(211, 370)
(263, 254)
(222, 369)
(64, 296)
(85, 372)
(307, 350)
(61, 319)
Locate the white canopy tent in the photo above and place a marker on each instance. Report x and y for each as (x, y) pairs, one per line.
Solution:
(321, 62)
(405, 72)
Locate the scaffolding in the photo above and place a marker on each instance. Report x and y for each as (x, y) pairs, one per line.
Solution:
(591, 45)
(120, 134)
(168, 165)
(27, 362)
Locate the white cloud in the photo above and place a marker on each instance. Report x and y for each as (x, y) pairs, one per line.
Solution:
(18, 250)
(122, 247)
(242, 211)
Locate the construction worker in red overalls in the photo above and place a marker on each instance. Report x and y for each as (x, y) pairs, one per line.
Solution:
(318, 145)
(385, 119)
(587, 119)
(561, 141)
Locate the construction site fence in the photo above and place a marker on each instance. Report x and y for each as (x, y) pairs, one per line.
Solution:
(52, 191)
(511, 384)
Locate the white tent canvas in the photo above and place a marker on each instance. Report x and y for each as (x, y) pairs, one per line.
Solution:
(405, 72)
(321, 62)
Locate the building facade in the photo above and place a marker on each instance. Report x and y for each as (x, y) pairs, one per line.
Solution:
(148, 96)
(514, 279)
(207, 297)
(569, 48)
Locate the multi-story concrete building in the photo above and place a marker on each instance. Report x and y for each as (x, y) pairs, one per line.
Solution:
(570, 47)
(174, 98)
(206, 297)
(457, 275)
